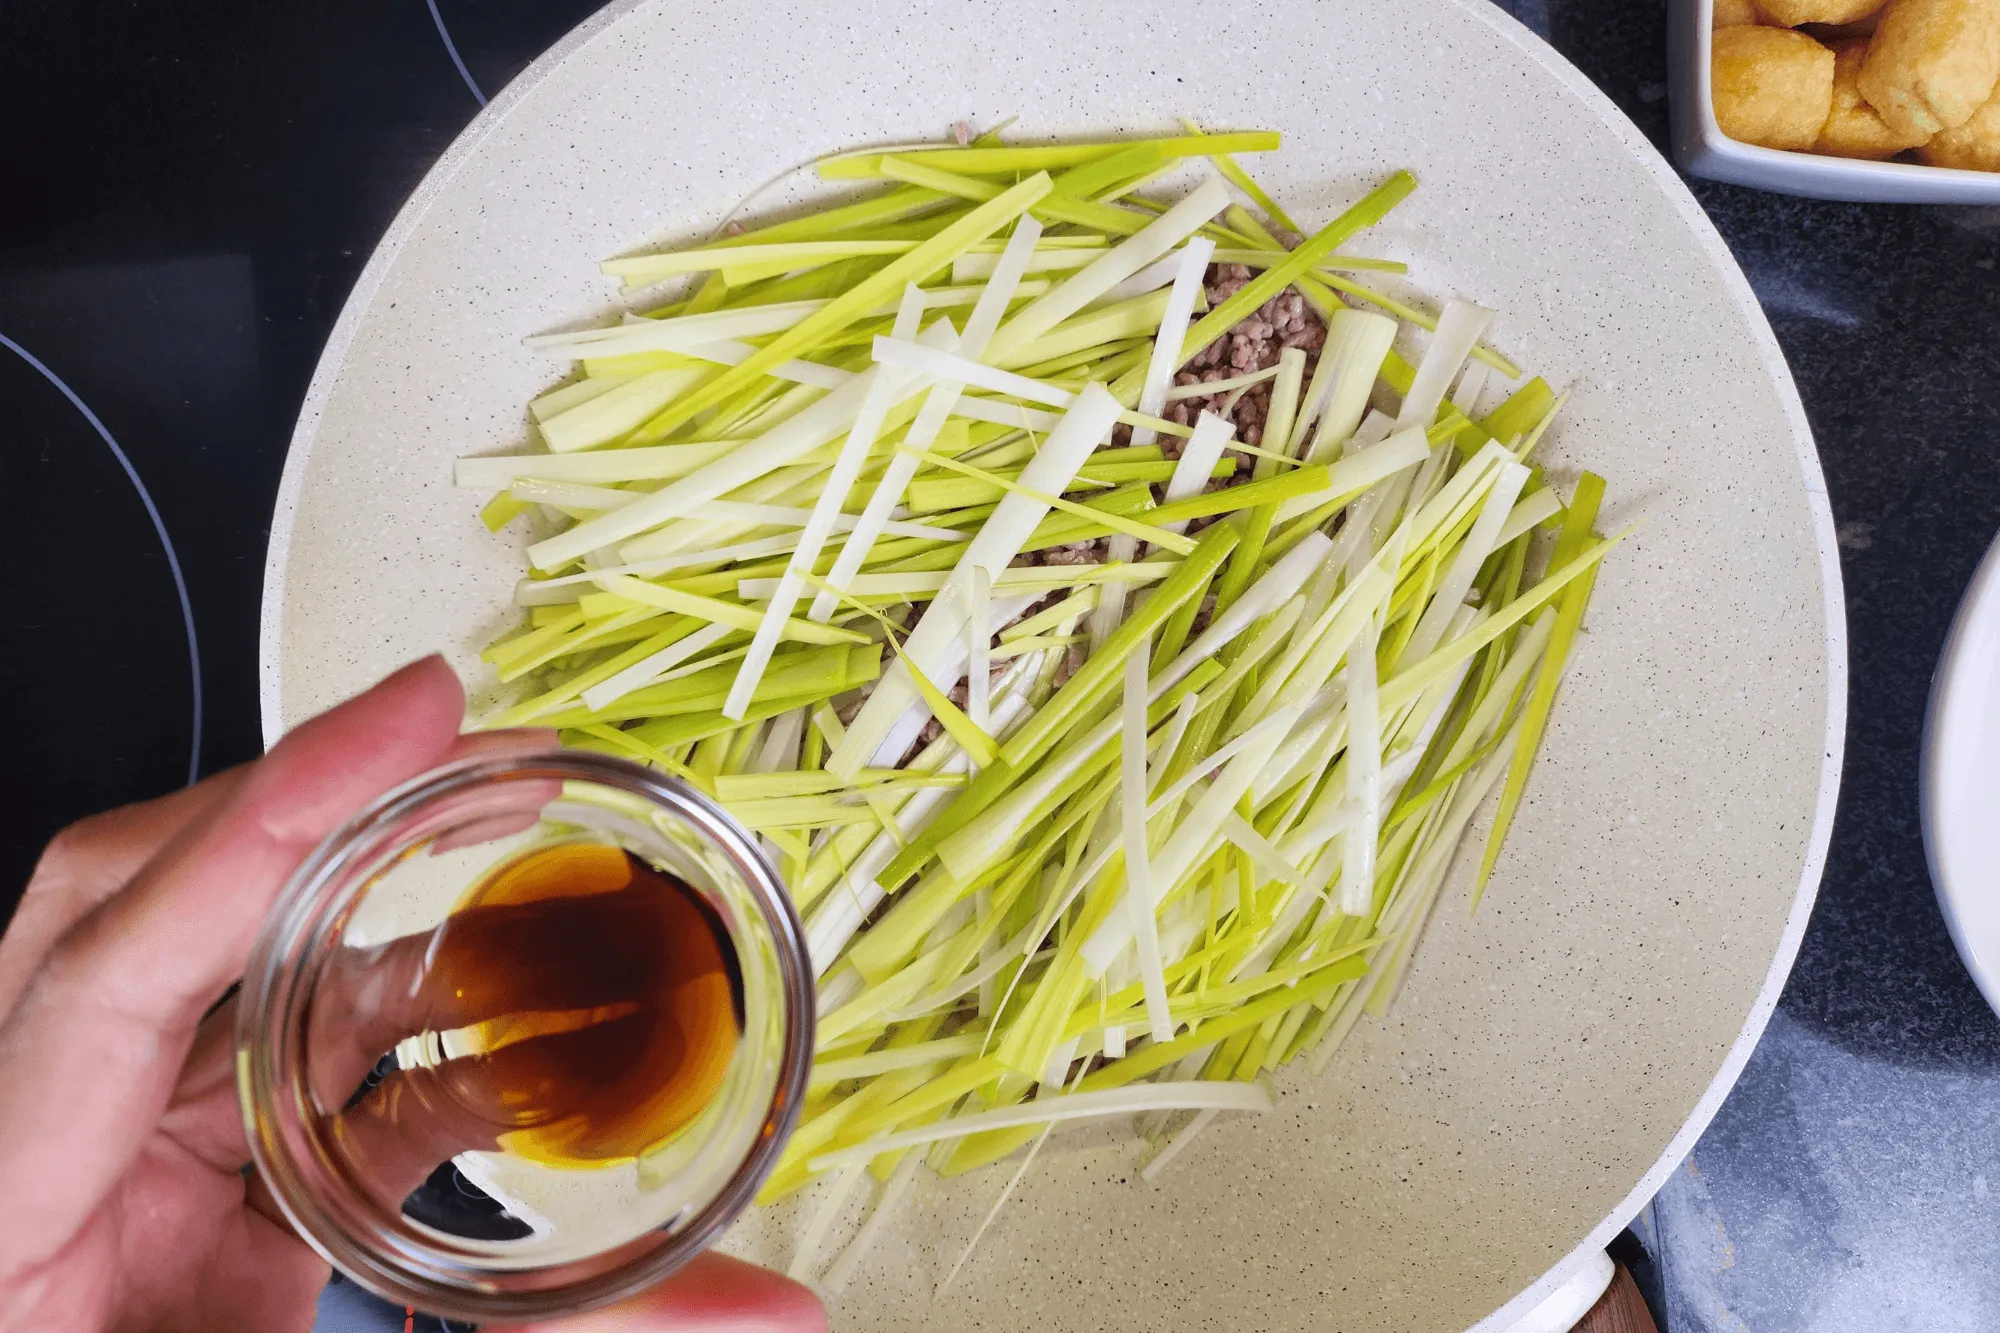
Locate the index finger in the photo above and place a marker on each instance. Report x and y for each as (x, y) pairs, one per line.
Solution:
(89, 861)
(713, 1294)
(89, 1057)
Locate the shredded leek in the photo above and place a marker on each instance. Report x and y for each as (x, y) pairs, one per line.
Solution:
(1070, 839)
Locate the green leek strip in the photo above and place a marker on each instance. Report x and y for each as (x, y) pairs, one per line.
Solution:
(992, 783)
(1009, 161)
(795, 812)
(1035, 644)
(1162, 1054)
(1138, 316)
(1332, 264)
(1255, 231)
(831, 1125)
(499, 654)
(890, 943)
(559, 400)
(1370, 210)
(1480, 352)
(732, 614)
(626, 744)
(856, 301)
(928, 495)
(1076, 212)
(1070, 607)
(957, 725)
(1240, 178)
(822, 671)
(529, 709)
(1045, 726)
(816, 782)
(887, 556)
(713, 292)
(1174, 633)
(1273, 490)
(1061, 529)
(1028, 578)
(667, 732)
(1088, 356)
(899, 203)
(1408, 683)
(1043, 1110)
(1408, 602)
(1145, 532)
(827, 1072)
(645, 270)
(1215, 231)
(1524, 410)
(1088, 178)
(1113, 370)
(1534, 437)
(501, 510)
(1570, 546)
(589, 635)
(1125, 1004)
(603, 467)
(1249, 555)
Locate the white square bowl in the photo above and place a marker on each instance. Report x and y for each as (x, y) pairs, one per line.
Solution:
(1702, 149)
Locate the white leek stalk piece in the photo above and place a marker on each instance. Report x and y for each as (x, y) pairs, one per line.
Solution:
(997, 543)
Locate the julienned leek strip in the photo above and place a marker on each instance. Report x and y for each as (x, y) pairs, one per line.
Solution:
(944, 1091)
(1405, 685)
(1219, 152)
(1007, 161)
(1372, 209)
(935, 253)
(1575, 538)
(721, 613)
(644, 270)
(1073, 1106)
(1171, 541)
(1193, 575)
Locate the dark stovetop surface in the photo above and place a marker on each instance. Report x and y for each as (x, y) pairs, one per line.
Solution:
(187, 191)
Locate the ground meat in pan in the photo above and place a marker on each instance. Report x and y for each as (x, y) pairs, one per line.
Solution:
(1078, 553)
(1254, 344)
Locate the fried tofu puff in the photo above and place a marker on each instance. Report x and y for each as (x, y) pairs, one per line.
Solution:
(1791, 13)
(1734, 14)
(1974, 145)
(1771, 86)
(1932, 63)
(1853, 128)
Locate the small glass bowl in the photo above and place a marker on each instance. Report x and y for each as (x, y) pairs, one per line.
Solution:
(485, 1234)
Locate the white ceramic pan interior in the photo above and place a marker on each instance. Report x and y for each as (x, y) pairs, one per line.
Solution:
(1548, 1061)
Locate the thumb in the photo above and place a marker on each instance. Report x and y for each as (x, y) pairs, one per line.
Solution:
(713, 1294)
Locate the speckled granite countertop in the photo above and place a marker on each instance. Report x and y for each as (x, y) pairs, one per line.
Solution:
(217, 174)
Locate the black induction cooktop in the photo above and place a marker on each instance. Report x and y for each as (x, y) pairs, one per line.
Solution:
(187, 191)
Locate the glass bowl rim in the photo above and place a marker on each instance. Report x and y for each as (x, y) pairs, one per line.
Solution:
(270, 996)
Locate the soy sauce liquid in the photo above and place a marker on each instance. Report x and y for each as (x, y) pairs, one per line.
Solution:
(594, 1004)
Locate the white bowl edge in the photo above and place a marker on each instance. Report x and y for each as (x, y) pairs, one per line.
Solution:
(1959, 777)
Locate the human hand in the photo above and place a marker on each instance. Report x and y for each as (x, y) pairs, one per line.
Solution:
(121, 1146)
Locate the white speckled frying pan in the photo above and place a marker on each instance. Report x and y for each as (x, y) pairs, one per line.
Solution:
(1549, 1061)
